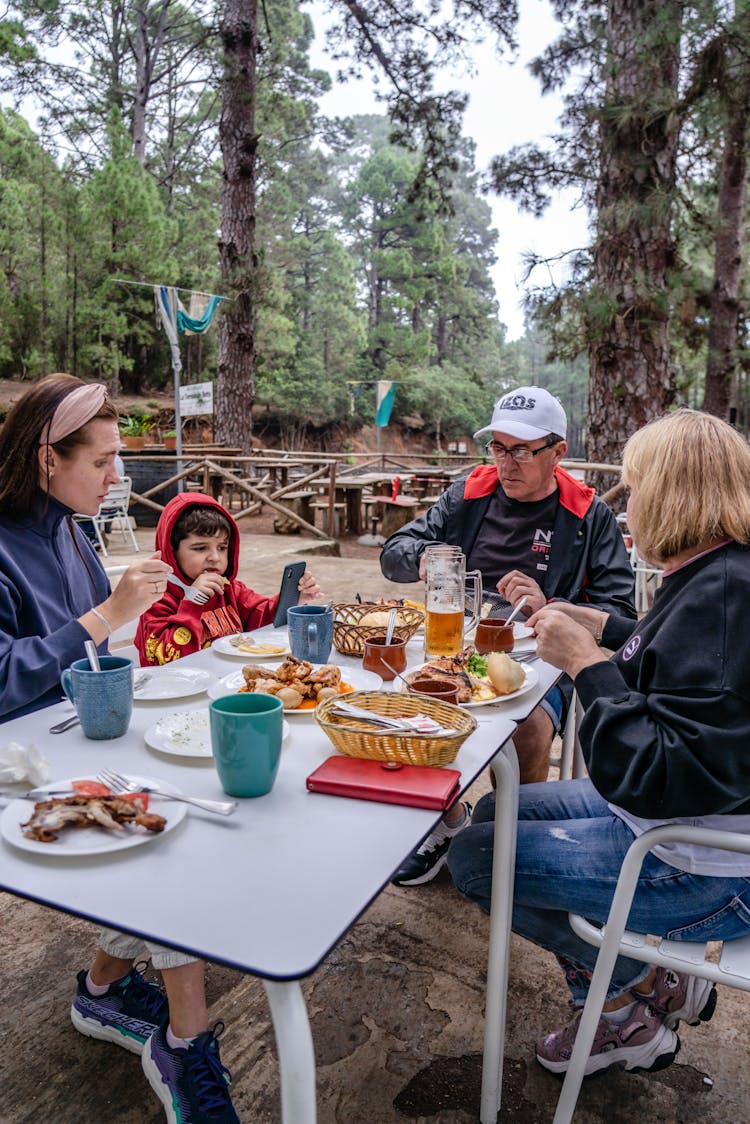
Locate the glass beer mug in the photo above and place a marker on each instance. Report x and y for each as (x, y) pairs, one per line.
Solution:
(445, 599)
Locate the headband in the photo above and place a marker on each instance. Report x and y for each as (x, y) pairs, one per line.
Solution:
(76, 408)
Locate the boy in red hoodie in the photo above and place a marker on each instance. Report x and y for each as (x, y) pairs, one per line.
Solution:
(200, 540)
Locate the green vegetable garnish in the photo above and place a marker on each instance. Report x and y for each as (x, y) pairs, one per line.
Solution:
(477, 665)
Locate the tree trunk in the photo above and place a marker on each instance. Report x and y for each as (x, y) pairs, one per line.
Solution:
(720, 389)
(631, 374)
(237, 324)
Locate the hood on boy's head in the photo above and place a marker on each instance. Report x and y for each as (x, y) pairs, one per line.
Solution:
(172, 512)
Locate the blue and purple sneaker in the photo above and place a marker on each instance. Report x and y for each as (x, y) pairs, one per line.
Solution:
(191, 1083)
(127, 1014)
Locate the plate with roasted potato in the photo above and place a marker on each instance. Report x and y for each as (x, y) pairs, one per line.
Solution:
(300, 685)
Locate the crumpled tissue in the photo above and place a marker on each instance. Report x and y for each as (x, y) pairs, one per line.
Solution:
(22, 762)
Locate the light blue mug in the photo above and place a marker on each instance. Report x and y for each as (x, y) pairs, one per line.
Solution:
(103, 699)
(310, 632)
(246, 735)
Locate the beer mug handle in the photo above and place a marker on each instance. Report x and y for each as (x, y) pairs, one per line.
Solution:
(476, 577)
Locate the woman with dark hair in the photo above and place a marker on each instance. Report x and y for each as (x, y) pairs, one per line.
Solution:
(665, 738)
(57, 456)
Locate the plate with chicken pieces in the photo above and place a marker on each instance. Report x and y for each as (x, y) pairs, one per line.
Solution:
(86, 819)
(300, 685)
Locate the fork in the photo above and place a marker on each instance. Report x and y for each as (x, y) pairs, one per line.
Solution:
(193, 593)
(119, 785)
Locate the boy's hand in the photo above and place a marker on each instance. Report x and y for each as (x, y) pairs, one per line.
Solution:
(209, 583)
(309, 590)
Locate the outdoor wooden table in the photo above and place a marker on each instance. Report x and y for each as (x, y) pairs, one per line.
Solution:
(262, 894)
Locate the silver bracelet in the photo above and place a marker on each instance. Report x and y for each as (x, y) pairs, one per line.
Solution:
(100, 617)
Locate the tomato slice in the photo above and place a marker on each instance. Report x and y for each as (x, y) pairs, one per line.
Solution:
(95, 788)
(90, 788)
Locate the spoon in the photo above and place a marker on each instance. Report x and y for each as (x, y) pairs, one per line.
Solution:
(396, 673)
(516, 611)
(390, 627)
(93, 655)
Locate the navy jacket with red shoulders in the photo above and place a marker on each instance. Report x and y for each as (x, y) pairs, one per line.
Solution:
(588, 561)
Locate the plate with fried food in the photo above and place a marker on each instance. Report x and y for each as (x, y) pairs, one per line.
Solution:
(253, 646)
(300, 685)
(482, 681)
(55, 824)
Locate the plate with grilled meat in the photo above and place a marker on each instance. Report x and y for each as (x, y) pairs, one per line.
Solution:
(84, 820)
(475, 686)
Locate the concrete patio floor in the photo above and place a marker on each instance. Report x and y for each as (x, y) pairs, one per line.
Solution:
(396, 1010)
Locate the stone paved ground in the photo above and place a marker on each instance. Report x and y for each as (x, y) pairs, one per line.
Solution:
(396, 1009)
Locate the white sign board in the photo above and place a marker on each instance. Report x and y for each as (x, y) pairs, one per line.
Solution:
(197, 398)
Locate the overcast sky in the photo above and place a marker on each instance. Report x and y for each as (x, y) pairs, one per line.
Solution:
(505, 108)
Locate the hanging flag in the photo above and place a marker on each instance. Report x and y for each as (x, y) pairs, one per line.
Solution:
(167, 305)
(386, 392)
(198, 324)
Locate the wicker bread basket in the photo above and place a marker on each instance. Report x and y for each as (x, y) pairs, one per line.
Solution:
(356, 739)
(349, 635)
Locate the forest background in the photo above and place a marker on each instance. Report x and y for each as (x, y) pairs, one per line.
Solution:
(184, 145)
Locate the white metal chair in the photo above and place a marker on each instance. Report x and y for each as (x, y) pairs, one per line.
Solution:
(644, 574)
(687, 957)
(113, 510)
(572, 765)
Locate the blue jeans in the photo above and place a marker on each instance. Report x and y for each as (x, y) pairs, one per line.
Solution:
(570, 848)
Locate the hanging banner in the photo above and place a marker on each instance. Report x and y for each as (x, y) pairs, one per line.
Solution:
(386, 392)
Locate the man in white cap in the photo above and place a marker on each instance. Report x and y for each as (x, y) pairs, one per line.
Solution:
(533, 531)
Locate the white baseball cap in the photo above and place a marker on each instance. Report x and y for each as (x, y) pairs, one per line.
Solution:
(528, 413)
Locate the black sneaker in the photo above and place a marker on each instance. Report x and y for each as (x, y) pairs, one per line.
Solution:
(191, 1083)
(428, 860)
(127, 1014)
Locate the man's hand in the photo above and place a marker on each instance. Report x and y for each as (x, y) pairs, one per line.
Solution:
(516, 585)
(563, 642)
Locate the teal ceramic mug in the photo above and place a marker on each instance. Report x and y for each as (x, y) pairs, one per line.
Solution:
(103, 699)
(246, 733)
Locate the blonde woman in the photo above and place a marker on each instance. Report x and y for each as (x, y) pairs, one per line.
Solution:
(665, 737)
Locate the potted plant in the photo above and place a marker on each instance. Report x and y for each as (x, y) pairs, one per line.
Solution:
(134, 429)
(170, 439)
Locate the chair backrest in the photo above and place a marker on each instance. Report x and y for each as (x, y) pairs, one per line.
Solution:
(117, 497)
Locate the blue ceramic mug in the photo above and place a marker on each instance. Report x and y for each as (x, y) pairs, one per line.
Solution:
(246, 734)
(310, 632)
(103, 699)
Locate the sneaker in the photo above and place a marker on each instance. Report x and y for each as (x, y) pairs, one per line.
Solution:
(191, 1083)
(127, 1014)
(428, 860)
(676, 996)
(641, 1042)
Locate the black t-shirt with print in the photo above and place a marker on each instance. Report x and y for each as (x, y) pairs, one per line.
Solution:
(514, 536)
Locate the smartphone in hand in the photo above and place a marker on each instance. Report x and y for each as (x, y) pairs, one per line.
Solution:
(288, 592)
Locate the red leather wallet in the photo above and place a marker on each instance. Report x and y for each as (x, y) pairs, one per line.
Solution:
(420, 786)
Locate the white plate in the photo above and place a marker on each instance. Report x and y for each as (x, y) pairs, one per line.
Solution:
(225, 648)
(357, 677)
(171, 682)
(93, 840)
(531, 680)
(185, 733)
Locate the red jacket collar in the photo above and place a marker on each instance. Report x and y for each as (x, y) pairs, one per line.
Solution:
(575, 496)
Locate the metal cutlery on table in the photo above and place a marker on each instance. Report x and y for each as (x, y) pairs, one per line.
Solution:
(421, 724)
(120, 785)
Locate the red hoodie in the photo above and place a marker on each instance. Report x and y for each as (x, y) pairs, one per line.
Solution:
(175, 626)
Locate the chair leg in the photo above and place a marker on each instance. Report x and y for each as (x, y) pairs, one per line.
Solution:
(99, 537)
(295, 1049)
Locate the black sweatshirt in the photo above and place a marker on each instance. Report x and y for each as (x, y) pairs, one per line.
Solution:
(666, 731)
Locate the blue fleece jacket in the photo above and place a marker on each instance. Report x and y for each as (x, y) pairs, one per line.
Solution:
(49, 576)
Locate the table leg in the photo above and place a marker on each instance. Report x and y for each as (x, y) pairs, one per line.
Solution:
(295, 1049)
(505, 768)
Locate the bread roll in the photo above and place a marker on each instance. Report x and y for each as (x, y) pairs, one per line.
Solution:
(376, 618)
(505, 674)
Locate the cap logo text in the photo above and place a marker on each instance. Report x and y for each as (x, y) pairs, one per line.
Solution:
(517, 402)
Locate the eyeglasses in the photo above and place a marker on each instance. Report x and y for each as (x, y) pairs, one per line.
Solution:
(518, 452)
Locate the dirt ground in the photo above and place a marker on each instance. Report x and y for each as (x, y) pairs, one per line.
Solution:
(396, 1010)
